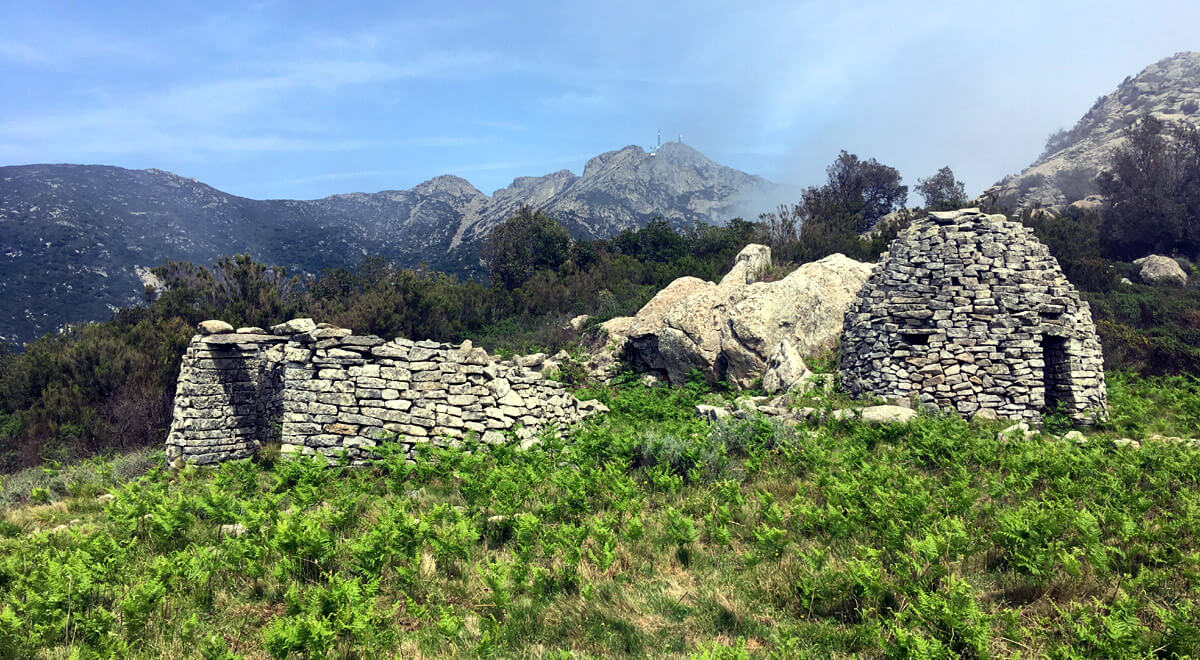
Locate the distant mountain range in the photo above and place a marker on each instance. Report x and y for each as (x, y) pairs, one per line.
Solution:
(1066, 172)
(77, 240)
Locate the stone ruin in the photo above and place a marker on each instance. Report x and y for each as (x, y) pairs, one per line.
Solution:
(321, 390)
(968, 312)
(229, 397)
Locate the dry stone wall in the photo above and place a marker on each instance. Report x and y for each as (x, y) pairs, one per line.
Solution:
(321, 390)
(969, 312)
(228, 397)
(353, 392)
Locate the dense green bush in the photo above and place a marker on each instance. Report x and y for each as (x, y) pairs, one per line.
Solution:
(834, 217)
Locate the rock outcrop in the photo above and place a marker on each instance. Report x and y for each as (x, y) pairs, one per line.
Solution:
(1168, 89)
(1157, 269)
(786, 370)
(777, 409)
(729, 330)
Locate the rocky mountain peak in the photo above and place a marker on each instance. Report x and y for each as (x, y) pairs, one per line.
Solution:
(608, 160)
(678, 152)
(1066, 172)
(76, 237)
(447, 184)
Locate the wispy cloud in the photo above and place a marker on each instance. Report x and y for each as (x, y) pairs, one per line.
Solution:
(511, 127)
(311, 98)
(574, 100)
(16, 51)
(213, 115)
(444, 141)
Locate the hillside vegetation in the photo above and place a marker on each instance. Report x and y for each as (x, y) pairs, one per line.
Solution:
(650, 533)
(108, 386)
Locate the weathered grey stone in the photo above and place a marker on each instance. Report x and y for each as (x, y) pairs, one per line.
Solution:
(1157, 269)
(729, 329)
(533, 361)
(1075, 437)
(711, 413)
(1009, 339)
(1018, 431)
(578, 322)
(236, 529)
(879, 415)
(293, 327)
(214, 327)
(786, 370)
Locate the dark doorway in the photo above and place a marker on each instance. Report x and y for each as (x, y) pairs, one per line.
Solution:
(1057, 371)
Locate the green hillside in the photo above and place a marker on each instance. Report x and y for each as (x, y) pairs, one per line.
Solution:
(649, 533)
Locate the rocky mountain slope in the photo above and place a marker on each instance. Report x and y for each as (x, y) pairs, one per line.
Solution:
(77, 240)
(1066, 172)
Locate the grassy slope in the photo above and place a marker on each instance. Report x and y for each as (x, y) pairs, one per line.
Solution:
(651, 533)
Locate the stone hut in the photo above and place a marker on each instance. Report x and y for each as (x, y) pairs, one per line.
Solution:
(321, 390)
(969, 312)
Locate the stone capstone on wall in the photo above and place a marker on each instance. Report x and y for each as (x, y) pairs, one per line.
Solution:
(320, 390)
(969, 312)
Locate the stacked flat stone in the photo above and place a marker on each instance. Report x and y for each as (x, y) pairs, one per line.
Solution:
(968, 312)
(330, 392)
(229, 390)
(347, 392)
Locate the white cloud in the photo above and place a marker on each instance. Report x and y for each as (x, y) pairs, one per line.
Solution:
(215, 115)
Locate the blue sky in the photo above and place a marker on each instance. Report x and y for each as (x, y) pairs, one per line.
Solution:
(306, 99)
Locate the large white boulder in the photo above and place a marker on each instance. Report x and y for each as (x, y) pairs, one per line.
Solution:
(807, 308)
(1157, 269)
(730, 329)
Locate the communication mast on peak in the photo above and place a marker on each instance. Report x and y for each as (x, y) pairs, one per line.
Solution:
(658, 145)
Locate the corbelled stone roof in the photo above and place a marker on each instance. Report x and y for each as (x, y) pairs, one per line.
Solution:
(969, 312)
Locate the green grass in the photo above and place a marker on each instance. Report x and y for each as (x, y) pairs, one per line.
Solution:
(81, 479)
(649, 533)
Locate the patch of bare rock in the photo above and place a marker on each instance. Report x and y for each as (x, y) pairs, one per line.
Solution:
(780, 408)
(740, 329)
(1157, 269)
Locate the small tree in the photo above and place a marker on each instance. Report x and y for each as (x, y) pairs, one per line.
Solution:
(862, 190)
(942, 191)
(1152, 189)
(524, 244)
(831, 218)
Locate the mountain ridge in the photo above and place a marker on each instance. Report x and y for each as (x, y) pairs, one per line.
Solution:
(76, 240)
(1066, 171)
